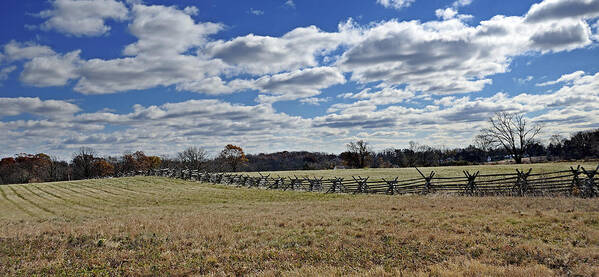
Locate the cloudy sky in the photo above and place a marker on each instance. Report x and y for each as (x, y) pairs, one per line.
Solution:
(159, 76)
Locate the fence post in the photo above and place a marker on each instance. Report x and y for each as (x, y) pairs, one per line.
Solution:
(391, 189)
(293, 183)
(471, 185)
(521, 185)
(589, 184)
(311, 183)
(362, 185)
(336, 185)
(575, 185)
(263, 180)
(315, 183)
(278, 182)
(428, 186)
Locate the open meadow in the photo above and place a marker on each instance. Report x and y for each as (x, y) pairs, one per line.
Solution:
(159, 226)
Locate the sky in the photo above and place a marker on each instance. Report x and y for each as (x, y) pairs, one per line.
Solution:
(273, 75)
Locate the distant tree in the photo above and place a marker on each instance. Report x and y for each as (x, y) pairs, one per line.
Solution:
(511, 132)
(584, 144)
(483, 143)
(58, 170)
(102, 168)
(193, 157)
(142, 162)
(83, 162)
(154, 162)
(7, 170)
(233, 156)
(350, 159)
(360, 152)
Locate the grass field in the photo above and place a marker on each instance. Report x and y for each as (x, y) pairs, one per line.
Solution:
(444, 171)
(159, 226)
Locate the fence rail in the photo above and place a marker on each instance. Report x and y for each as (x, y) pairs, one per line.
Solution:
(574, 182)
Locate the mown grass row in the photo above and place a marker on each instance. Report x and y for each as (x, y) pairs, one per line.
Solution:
(159, 226)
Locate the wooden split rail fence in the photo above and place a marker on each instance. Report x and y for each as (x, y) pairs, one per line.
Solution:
(573, 182)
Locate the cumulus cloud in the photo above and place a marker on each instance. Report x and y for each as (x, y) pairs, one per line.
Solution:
(449, 56)
(395, 4)
(49, 71)
(290, 4)
(264, 54)
(15, 51)
(83, 17)
(461, 3)
(298, 84)
(572, 108)
(560, 9)
(109, 76)
(429, 58)
(562, 36)
(434, 57)
(566, 78)
(256, 12)
(369, 98)
(36, 106)
(165, 30)
(316, 101)
(167, 128)
(5, 71)
(446, 14)
(157, 58)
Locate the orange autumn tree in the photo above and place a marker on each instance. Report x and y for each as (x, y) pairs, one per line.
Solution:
(233, 156)
(103, 168)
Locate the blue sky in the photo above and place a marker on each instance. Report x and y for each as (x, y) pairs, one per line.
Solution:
(160, 76)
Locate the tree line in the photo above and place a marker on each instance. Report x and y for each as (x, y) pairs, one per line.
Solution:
(87, 164)
(510, 137)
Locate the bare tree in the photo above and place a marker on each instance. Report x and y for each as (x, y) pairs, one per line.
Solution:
(512, 132)
(483, 143)
(83, 162)
(193, 157)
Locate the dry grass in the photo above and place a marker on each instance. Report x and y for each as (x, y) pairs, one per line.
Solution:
(159, 226)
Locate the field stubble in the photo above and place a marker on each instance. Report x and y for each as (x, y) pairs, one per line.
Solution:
(151, 225)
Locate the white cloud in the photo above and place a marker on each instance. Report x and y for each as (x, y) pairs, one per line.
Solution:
(36, 106)
(191, 10)
(4, 72)
(559, 9)
(54, 70)
(449, 56)
(566, 78)
(256, 12)
(446, 14)
(83, 17)
(369, 99)
(166, 31)
(297, 84)
(461, 3)
(137, 73)
(212, 123)
(395, 4)
(524, 80)
(158, 58)
(428, 58)
(290, 4)
(573, 107)
(316, 101)
(264, 54)
(15, 51)
(560, 36)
